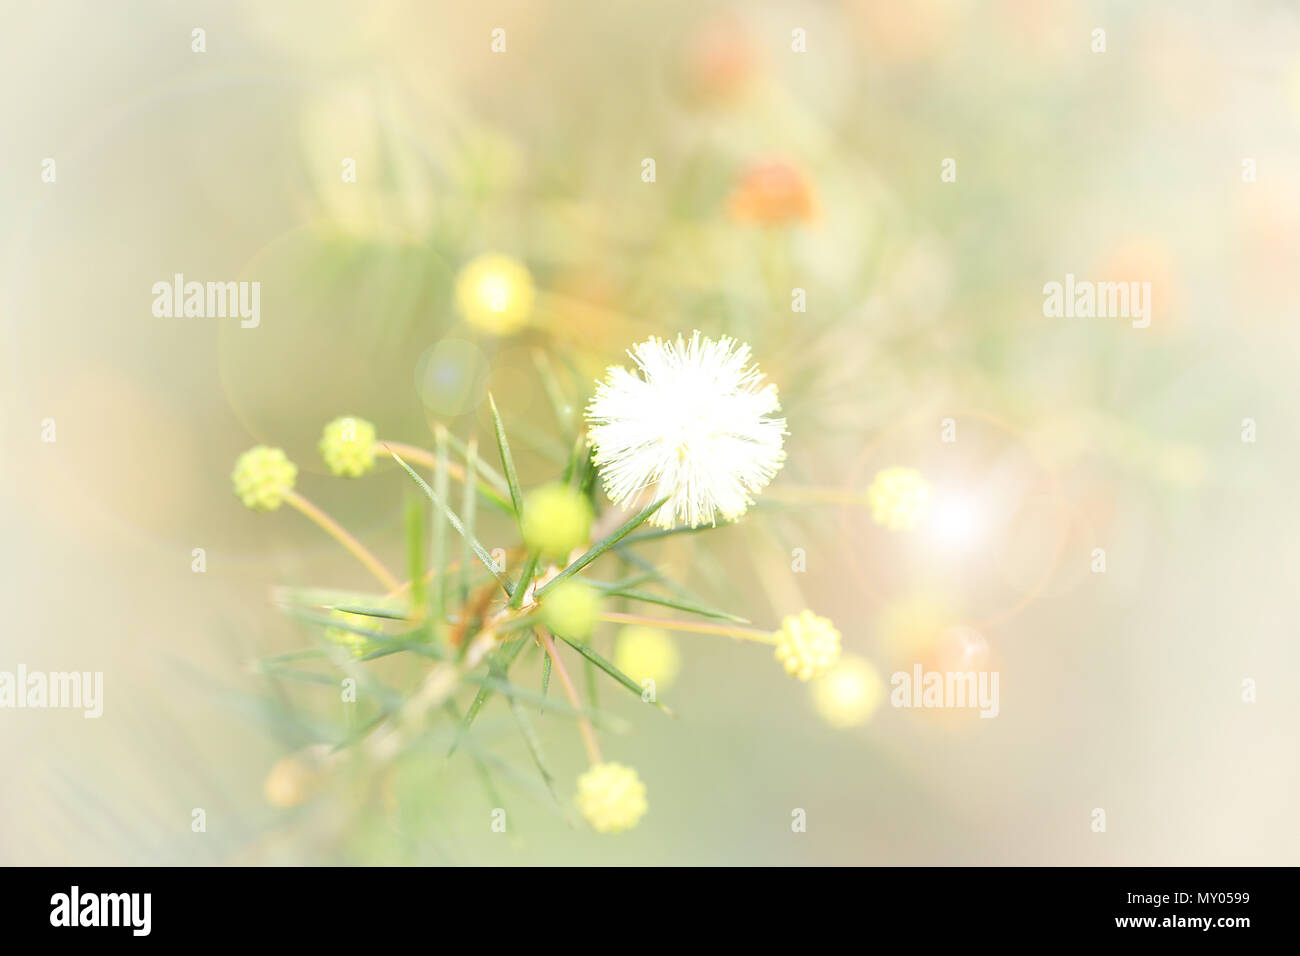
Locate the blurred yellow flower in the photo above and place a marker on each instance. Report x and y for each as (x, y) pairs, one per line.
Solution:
(262, 477)
(849, 693)
(557, 519)
(348, 446)
(647, 653)
(807, 645)
(899, 498)
(611, 797)
(495, 294)
(572, 608)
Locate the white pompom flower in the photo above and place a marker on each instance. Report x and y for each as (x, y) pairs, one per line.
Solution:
(693, 423)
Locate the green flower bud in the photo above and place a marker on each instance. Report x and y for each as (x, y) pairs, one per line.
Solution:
(262, 477)
(348, 446)
(358, 644)
(572, 608)
(557, 519)
(611, 797)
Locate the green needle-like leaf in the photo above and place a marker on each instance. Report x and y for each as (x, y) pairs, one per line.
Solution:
(479, 550)
(634, 559)
(507, 461)
(592, 691)
(468, 508)
(622, 584)
(575, 459)
(586, 476)
(586, 651)
(415, 556)
(554, 390)
(487, 471)
(438, 546)
(603, 545)
(546, 675)
(672, 532)
(499, 662)
(660, 599)
(534, 747)
(381, 612)
(485, 775)
(422, 648)
(548, 704)
(314, 617)
(525, 578)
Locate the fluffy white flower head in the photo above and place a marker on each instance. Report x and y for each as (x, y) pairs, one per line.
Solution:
(692, 422)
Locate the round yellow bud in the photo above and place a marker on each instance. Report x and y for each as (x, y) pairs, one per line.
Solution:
(495, 293)
(899, 498)
(849, 693)
(807, 645)
(611, 797)
(348, 446)
(262, 477)
(357, 644)
(647, 653)
(572, 608)
(557, 519)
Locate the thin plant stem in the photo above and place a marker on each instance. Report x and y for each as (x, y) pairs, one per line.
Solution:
(584, 725)
(429, 576)
(467, 516)
(420, 456)
(744, 633)
(439, 543)
(474, 478)
(345, 538)
(525, 579)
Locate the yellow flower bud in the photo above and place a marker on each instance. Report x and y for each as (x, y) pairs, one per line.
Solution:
(849, 693)
(263, 476)
(495, 294)
(572, 608)
(807, 645)
(899, 498)
(647, 653)
(348, 446)
(611, 797)
(358, 644)
(557, 519)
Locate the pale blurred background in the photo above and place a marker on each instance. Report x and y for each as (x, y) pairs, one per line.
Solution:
(1119, 690)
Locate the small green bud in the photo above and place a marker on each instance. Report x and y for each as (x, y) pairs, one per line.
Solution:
(572, 608)
(557, 519)
(262, 477)
(358, 644)
(348, 446)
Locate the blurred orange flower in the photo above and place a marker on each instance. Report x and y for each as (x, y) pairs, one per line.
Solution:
(773, 193)
(720, 60)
